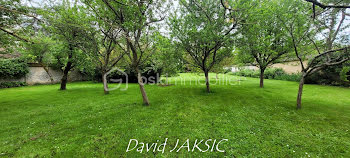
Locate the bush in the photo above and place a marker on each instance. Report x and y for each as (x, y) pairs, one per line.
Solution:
(288, 77)
(247, 73)
(13, 68)
(335, 76)
(270, 73)
(12, 84)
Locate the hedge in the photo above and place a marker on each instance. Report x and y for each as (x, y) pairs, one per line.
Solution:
(12, 84)
(270, 73)
(13, 68)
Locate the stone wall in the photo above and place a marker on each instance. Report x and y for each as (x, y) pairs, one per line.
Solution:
(290, 67)
(38, 75)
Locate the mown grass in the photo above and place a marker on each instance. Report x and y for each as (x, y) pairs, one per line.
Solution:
(83, 122)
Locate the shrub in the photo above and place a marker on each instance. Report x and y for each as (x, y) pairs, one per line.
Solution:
(247, 73)
(13, 68)
(334, 75)
(270, 73)
(289, 77)
(12, 84)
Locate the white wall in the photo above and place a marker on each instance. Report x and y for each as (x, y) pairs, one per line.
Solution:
(38, 75)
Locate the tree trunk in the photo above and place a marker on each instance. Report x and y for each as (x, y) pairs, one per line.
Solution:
(217, 76)
(66, 70)
(105, 84)
(64, 79)
(262, 71)
(142, 88)
(207, 81)
(300, 92)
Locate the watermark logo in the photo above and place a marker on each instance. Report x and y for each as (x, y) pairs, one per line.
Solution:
(157, 79)
(119, 81)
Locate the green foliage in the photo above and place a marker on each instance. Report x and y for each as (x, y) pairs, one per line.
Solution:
(69, 27)
(289, 77)
(270, 73)
(344, 73)
(333, 75)
(42, 50)
(167, 56)
(12, 84)
(204, 30)
(263, 40)
(10, 20)
(13, 68)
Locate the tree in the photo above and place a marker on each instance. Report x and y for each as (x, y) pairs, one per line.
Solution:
(262, 41)
(104, 48)
(204, 30)
(69, 24)
(137, 21)
(167, 57)
(302, 33)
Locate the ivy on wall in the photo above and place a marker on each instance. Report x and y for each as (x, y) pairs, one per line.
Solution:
(13, 68)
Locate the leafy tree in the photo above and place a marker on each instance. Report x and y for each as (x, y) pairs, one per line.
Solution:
(263, 41)
(69, 24)
(167, 57)
(104, 48)
(137, 21)
(301, 33)
(204, 30)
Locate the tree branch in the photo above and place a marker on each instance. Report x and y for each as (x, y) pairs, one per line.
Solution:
(16, 36)
(324, 6)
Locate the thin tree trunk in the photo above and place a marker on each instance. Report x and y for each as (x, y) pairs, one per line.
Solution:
(105, 84)
(142, 88)
(300, 92)
(217, 76)
(262, 71)
(207, 81)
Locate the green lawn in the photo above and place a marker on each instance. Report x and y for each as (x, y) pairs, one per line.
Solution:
(82, 122)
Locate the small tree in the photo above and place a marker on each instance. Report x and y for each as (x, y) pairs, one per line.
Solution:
(104, 48)
(262, 41)
(137, 21)
(167, 57)
(204, 30)
(69, 25)
(300, 32)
